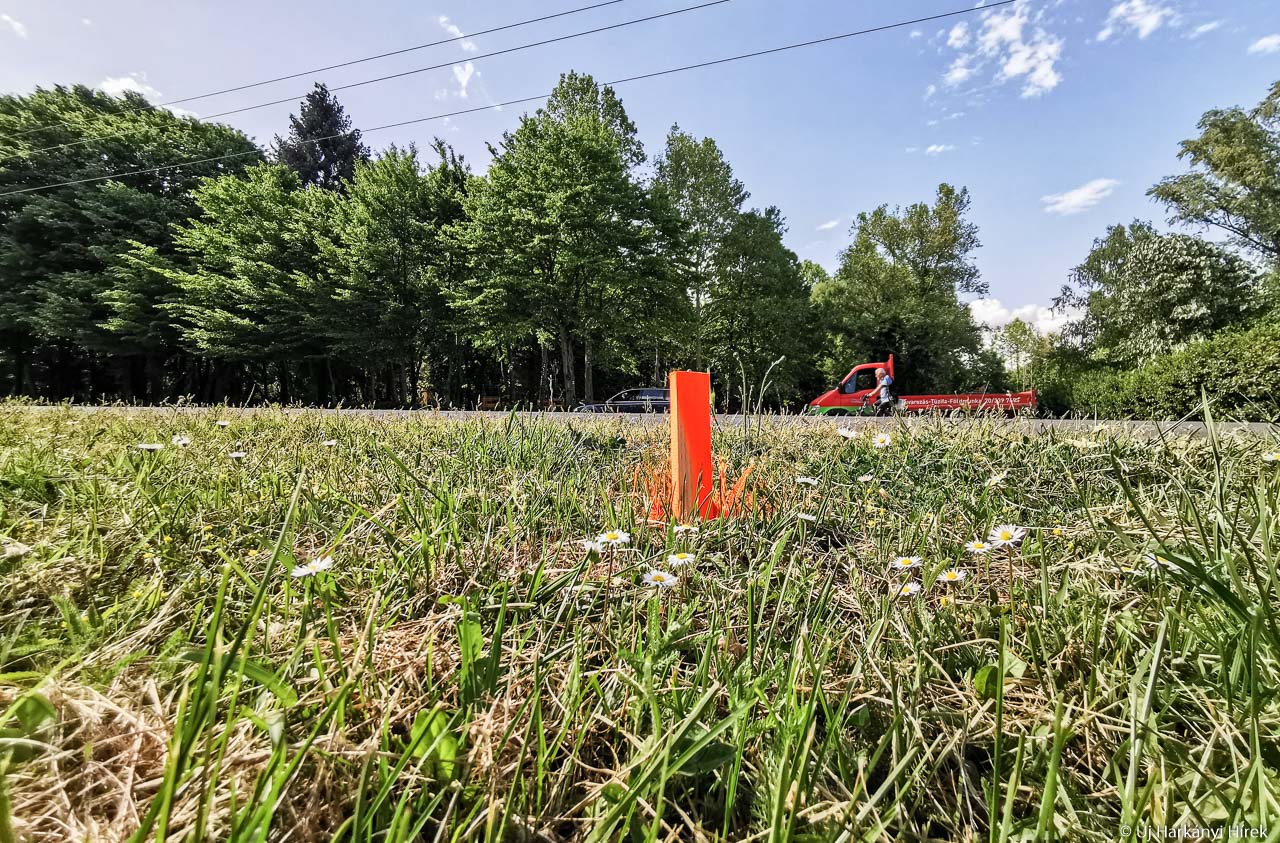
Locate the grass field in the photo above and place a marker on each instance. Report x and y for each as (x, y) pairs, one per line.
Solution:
(390, 630)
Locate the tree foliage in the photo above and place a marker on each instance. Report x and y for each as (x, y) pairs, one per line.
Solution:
(322, 147)
(1234, 185)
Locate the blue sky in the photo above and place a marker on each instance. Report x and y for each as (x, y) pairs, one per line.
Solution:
(1058, 115)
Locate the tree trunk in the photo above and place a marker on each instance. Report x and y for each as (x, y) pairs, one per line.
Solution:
(588, 372)
(543, 397)
(566, 359)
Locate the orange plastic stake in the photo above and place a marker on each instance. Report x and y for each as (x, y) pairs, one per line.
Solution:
(692, 476)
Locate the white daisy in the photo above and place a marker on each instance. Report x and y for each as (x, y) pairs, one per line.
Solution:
(1271, 456)
(848, 433)
(996, 479)
(592, 546)
(614, 538)
(977, 546)
(329, 443)
(1157, 562)
(685, 529)
(952, 575)
(804, 516)
(904, 563)
(181, 441)
(16, 550)
(237, 455)
(680, 559)
(866, 478)
(313, 567)
(882, 440)
(661, 579)
(806, 481)
(1006, 534)
(908, 589)
(149, 446)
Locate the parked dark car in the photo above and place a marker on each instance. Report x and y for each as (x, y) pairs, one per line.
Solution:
(632, 401)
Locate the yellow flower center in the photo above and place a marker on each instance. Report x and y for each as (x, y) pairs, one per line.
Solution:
(659, 578)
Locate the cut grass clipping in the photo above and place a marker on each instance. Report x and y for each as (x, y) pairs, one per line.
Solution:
(316, 627)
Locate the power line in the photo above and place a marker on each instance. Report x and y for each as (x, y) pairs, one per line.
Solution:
(351, 63)
(521, 101)
(401, 75)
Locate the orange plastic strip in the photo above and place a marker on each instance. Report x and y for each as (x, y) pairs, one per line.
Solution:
(692, 475)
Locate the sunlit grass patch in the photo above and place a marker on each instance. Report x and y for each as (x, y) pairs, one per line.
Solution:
(372, 629)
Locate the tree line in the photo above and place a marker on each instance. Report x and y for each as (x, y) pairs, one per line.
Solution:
(318, 271)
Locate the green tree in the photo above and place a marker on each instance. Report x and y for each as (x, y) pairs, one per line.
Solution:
(758, 309)
(321, 148)
(562, 237)
(253, 286)
(388, 311)
(1235, 180)
(693, 178)
(57, 245)
(1141, 293)
(897, 292)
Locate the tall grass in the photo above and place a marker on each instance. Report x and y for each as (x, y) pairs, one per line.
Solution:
(467, 670)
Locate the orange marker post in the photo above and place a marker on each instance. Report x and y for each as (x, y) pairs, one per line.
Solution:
(692, 475)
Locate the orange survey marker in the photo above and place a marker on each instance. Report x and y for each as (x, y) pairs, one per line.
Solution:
(692, 474)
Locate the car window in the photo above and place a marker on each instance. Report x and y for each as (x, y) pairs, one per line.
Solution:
(626, 395)
(655, 394)
(866, 379)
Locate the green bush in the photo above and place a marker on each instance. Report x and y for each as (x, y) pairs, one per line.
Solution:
(1238, 371)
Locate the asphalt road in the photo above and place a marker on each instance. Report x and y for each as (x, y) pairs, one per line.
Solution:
(1028, 425)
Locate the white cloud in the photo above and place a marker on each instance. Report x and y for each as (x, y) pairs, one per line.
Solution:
(86, 21)
(133, 83)
(19, 29)
(995, 314)
(1142, 16)
(1266, 44)
(915, 33)
(1205, 28)
(462, 74)
(1015, 44)
(1079, 199)
(938, 148)
(930, 91)
(959, 36)
(830, 224)
(912, 148)
(452, 28)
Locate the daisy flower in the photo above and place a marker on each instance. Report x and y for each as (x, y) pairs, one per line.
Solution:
(908, 589)
(848, 433)
(945, 602)
(661, 579)
(329, 443)
(677, 560)
(614, 538)
(181, 441)
(996, 479)
(882, 440)
(149, 446)
(977, 546)
(1271, 456)
(16, 550)
(1058, 531)
(905, 563)
(1006, 534)
(866, 478)
(952, 575)
(804, 516)
(1157, 562)
(313, 567)
(237, 455)
(806, 481)
(685, 529)
(590, 545)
